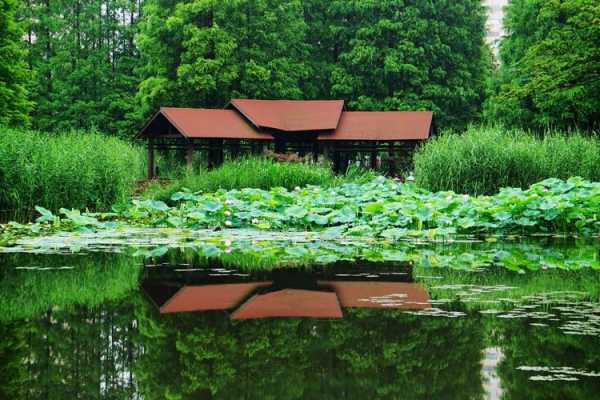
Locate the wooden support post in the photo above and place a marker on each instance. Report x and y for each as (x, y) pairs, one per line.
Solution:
(150, 159)
(235, 149)
(392, 160)
(279, 146)
(374, 159)
(215, 153)
(189, 155)
(316, 150)
(336, 160)
(220, 151)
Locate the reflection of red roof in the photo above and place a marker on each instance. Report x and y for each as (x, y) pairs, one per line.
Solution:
(290, 303)
(291, 115)
(203, 123)
(409, 296)
(384, 125)
(210, 297)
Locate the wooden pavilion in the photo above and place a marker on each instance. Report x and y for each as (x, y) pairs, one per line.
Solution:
(318, 127)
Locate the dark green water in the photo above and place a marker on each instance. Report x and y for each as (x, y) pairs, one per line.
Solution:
(107, 326)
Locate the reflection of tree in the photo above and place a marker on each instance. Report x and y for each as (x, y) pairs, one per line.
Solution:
(91, 280)
(84, 353)
(13, 372)
(523, 344)
(369, 354)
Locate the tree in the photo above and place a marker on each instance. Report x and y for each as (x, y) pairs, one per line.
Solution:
(384, 55)
(204, 52)
(14, 105)
(84, 58)
(550, 71)
(410, 55)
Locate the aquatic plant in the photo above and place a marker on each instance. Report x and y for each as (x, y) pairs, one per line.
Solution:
(253, 172)
(486, 158)
(382, 209)
(74, 170)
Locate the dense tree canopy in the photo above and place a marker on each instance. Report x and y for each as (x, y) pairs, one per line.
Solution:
(550, 71)
(378, 55)
(83, 57)
(14, 106)
(203, 52)
(407, 55)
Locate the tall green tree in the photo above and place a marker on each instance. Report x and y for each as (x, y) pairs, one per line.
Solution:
(378, 55)
(204, 52)
(84, 58)
(14, 105)
(409, 55)
(550, 70)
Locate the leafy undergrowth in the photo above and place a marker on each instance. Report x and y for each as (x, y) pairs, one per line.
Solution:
(381, 208)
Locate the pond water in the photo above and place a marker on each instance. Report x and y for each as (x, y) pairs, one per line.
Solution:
(177, 325)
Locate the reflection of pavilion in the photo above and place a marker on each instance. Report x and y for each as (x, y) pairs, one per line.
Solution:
(286, 293)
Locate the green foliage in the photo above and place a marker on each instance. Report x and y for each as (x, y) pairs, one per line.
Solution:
(383, 55)
(14, 106)
(408, 55)
(550, 61)
(204, 52)
(37, 283)
(253, 172)
(83, 58)
(301, 358)
(387, 208)
(77, 170)
(485, 159)
(381, 208)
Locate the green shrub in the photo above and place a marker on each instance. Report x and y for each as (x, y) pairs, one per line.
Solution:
(74, 170)
(485, 159)
(254, 172)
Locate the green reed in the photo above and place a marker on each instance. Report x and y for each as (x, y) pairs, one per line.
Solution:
(72, 170)
(484, 159)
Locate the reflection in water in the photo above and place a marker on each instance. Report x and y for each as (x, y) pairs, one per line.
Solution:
(290, 292)
(491, 381)
(199, 331)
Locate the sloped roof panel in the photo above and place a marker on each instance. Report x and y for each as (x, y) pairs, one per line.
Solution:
(209, 297)
(382, 125)
(206, 123)
(290, 303)
(408, 296)
(291, 115)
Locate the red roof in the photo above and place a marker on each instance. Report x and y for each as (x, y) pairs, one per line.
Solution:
(291, 303)
(254, 118)
(209, 297)
(408, 296)
(291, 115)
(204, 123)
(382, 125)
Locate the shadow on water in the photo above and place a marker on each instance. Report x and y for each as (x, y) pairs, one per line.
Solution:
(112, 326)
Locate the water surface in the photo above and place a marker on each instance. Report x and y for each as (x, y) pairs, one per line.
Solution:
(117, 326)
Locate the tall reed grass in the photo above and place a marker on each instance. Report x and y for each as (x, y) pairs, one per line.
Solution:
(75, 170)
(484, 159)
(254, 172)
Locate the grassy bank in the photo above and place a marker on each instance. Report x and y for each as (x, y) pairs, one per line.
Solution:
(76, 170)
(485, 159)
(253, 172)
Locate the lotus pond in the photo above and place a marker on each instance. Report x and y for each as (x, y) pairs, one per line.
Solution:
(149, 313)
(373, 291)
